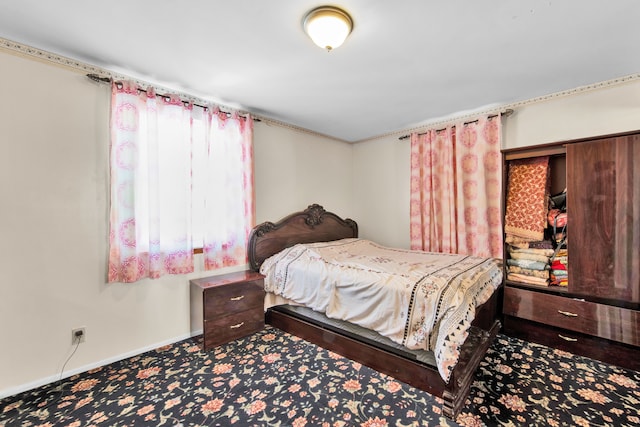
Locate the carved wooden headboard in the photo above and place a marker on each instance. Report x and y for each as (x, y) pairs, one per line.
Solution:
(314, 224)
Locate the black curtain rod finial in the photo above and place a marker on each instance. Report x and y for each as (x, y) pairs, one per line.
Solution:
(100, 79)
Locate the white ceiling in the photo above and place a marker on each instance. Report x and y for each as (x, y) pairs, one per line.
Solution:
(406, 62)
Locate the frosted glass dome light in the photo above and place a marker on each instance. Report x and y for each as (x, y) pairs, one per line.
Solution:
(328, 26)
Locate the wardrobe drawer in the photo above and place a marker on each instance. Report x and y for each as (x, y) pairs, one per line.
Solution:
(607, 351)
(605, 321)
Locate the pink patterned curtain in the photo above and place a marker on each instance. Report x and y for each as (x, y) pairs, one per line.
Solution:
(456, 188)
(160, 185)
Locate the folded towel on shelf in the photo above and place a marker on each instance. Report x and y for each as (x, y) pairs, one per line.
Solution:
(530, 257)
(557, 265)
(543, 274)
(541, 244)
(532, 251)
(559, 280)
(520, 243)
(527, 279)
(525, 263)
(561, 253)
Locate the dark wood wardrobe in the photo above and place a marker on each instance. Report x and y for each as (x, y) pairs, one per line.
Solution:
(598, 313)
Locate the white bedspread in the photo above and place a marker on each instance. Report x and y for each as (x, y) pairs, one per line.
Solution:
(417, 299)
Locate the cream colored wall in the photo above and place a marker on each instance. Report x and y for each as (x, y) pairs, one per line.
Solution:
(53, 225)
(607, 110)
(295, 169)
(381, 166)
(381, 190)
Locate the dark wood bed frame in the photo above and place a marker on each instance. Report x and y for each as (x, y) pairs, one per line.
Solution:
(317, 225)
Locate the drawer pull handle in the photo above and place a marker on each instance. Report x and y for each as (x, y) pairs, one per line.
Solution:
(567, 338)
(236, 298)
(236, 326)
(567, 313)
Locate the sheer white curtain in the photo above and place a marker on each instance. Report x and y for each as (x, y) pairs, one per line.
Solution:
(229, 212)
(171, 186)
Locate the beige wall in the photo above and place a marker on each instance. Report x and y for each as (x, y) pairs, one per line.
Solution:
(381, 190)
(53, 225)
(381, 166)
(607, 110)
(294, 169)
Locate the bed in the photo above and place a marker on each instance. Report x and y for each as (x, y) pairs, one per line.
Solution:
(315, 231)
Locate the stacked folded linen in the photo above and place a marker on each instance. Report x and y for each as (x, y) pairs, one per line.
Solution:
(529, 265)
(538, 244)
(559, 275)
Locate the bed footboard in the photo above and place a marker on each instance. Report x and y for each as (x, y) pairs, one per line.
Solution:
(471, 355)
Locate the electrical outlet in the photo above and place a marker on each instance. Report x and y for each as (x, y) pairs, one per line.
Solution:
(78, 335)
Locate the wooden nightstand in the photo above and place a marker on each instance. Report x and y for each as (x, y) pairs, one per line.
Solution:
(232, 306)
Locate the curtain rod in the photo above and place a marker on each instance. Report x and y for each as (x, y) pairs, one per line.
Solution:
(505, 113)
(100, 79)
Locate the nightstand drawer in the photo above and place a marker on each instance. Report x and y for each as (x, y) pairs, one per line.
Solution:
(233, 298)
(232, 306)
(228, 328)
(605, 321)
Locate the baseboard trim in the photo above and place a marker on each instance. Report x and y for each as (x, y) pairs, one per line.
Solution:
(53, 378)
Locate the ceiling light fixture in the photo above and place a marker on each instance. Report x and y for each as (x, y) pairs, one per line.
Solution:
(327, 26)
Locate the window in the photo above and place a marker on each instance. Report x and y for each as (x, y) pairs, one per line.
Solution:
(181, 177)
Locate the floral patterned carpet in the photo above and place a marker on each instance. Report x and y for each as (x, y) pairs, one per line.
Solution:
(274, 379)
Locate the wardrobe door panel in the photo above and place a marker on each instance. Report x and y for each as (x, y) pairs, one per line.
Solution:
(603, 205)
